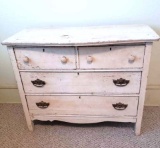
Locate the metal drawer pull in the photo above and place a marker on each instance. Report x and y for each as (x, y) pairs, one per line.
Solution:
(121, 82)
(64, 60)
(120, 106)
(38, 83)
(42, 105)
(89, 59)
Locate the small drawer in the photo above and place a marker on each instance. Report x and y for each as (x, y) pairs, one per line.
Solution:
(82, 105)
(84, 82)
(111, 57)
(46, 58)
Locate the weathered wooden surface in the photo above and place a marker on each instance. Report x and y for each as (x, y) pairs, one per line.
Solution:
(82, 82)
(82, 105)
(83, 36)
(111, 57)
(143, 88)
(83, 119)
(46, 58)
(20, 88)
(79, 79)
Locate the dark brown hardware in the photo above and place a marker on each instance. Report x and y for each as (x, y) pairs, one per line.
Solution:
(120, 106)
(38, 83)
(42, 105)
(121, 82)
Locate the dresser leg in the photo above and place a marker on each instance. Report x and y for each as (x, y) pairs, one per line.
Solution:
(137, 129)
(30, 126)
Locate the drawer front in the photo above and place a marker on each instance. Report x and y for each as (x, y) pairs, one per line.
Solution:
(46, 58)
(82, 105)
(111, 57)
(97, 82)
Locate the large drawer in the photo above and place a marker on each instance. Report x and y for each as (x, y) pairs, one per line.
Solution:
(111, 57)
(46, 58)
(82, 105)
(84, 82)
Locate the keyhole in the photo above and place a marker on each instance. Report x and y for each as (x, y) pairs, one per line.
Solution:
(79, 97)
(43, 50)
(110, 49)
(78, 73)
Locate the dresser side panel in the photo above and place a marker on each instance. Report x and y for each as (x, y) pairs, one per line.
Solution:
(20, 88)
(143, 87)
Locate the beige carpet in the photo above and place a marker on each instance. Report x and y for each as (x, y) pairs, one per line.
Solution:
(14, 132)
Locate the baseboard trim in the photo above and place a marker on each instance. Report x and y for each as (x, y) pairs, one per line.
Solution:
(153, 87)
(8, 87)
(10, 103)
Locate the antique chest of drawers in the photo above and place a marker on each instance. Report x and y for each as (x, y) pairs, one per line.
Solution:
(82, 75)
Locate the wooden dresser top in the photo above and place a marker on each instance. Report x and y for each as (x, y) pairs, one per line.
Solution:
(81, 36)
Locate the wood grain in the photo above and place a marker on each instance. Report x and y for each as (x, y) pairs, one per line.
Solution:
(46, 58)
(79, 91)
(20, 88)
(111, 57)
(83, 119)
(83, 36)
(143, 88)
(96, 82)
(82, 105)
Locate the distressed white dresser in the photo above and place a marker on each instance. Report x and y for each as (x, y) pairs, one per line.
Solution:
(82, 75)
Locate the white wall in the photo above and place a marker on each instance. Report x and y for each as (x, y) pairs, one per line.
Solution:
(19, 14)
